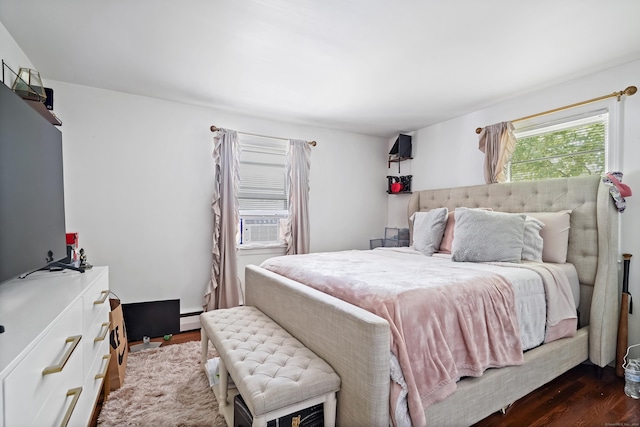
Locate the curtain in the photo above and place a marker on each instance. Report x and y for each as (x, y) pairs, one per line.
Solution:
(224, 289)
(298, 167)
(497, 142)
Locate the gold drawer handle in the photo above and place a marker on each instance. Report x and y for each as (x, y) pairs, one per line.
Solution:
(106, 367)
(75, 392)
(57, 368)
(104, 294)
(106, 326)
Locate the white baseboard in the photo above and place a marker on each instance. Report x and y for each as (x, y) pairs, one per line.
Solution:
(190, 323)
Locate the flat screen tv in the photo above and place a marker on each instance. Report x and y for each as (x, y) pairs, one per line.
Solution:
(151, 319)
(32, 217)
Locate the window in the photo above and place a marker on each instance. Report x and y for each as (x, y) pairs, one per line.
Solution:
(262, 191)
(571, 147)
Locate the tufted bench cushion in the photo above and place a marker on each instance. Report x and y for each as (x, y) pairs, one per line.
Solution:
(270, 368)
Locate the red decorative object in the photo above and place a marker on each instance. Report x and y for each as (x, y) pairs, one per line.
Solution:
(72, 239)
(399, 184)
(396, 187)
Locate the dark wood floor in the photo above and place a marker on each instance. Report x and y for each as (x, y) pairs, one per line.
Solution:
(577, 398)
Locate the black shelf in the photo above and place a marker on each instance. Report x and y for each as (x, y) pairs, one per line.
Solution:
(398, 160)
(404, 181)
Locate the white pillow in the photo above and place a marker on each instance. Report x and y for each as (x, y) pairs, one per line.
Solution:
(485, 236)
(555, 234)
(428, 229)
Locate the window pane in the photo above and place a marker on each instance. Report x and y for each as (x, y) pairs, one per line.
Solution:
(559, 167)
(561, 151)
(574, 140)
(262, 191)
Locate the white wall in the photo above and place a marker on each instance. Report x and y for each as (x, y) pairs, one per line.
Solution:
(447, 155)
(139, 179)
(139, 176)
(12, 55)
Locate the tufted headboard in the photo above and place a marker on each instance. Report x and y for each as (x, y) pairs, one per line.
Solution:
(593, 237)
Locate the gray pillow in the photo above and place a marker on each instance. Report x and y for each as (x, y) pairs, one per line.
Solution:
(485, 236)
(532, 241)
(428, 229)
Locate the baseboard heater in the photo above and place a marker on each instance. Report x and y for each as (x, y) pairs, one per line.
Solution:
(151, 319)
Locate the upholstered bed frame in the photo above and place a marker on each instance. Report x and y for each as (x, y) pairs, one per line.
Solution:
(356, 342)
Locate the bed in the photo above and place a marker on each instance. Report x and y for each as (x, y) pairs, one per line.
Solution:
(355, 342)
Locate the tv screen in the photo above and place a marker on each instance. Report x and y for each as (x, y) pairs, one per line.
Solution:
(32, 219)
(151, 319)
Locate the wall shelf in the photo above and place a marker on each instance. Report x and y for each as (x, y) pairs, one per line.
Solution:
(43, 111)
(397, 160)
(404, 182)
(36, 104)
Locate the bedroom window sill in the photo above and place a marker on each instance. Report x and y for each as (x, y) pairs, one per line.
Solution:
(259, 249)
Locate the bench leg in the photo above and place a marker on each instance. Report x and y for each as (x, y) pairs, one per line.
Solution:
(330, 410)
(204, 341)
(224, 377)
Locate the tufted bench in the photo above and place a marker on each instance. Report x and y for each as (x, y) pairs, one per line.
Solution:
(274, 372)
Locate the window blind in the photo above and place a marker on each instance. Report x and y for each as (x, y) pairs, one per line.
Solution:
(262, 174)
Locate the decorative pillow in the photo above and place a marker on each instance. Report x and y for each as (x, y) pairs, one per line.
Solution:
(428, 228)
(447, 239)
(485, 236)
(532, 242)
(555, 234)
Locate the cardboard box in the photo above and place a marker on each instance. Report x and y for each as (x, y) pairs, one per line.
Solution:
(118, 343)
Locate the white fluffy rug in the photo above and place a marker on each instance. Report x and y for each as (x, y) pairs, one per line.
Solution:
(163, 387)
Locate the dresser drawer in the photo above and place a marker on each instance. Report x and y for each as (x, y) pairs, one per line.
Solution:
(96, 298)
(93, 381)
(29, 387)
(95, 333)
(63, 406)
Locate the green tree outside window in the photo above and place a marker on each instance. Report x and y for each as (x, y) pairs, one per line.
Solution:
(573, 151)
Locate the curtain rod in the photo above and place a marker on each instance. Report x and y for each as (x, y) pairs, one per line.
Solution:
(215, 128)
(628, 91)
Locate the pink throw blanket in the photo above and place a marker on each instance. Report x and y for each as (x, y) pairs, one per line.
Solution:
(447, 320)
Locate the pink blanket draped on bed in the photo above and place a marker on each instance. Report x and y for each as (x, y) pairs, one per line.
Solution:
(447, 320)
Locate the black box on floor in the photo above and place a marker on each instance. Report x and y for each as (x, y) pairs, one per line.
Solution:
(309, 417)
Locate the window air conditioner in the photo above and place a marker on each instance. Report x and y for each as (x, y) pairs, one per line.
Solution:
(259, 230)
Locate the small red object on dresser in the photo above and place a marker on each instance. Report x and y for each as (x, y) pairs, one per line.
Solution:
(72, 247)
(72, 239)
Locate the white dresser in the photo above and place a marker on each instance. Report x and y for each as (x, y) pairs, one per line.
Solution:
(54, 352)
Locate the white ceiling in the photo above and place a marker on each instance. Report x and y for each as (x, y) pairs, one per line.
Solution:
(368, 66)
